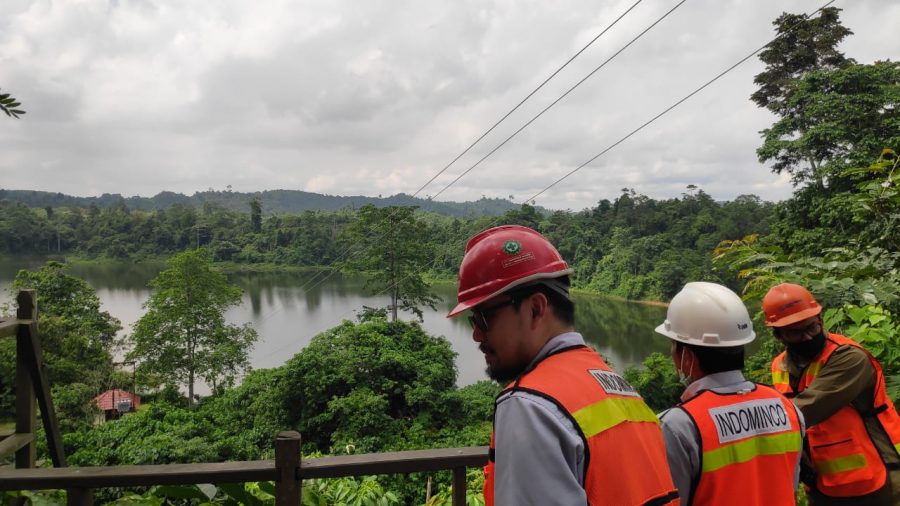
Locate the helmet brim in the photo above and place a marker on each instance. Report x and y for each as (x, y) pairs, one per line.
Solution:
(796, 317)
(474, 301)
(661, 329)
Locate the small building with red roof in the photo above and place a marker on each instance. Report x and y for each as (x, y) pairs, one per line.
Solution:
(114, 403)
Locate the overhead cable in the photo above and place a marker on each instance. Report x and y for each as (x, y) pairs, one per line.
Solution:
(347, 251)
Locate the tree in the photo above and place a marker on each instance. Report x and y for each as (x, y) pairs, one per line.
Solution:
(394, 255)
(183, 335)
(256, 214)
(840, 118)
(851, 116)
(802, 45)
(76, 337)
(10, 106)
(368, 384)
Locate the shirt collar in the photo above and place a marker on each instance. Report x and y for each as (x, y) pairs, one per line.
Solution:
(713, 381)
(559, 342)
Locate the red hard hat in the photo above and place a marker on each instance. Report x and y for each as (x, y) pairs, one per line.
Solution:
(502, 258)
(788, 303)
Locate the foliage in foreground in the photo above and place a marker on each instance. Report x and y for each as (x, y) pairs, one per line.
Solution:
(10, 106)
(77, 339)
(857, 284)
(370, 386)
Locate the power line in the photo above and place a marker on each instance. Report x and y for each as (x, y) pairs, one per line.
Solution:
(564, 95)
(514, 109)
(676, 104)
(347, 252)
(532, 120)
(610, 147)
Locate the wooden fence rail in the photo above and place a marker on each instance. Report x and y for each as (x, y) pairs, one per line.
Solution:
(287, 471)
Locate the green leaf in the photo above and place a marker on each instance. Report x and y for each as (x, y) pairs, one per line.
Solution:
(179, 492)
(237, 492)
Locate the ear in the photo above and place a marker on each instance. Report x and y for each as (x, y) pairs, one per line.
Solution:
(539, 306)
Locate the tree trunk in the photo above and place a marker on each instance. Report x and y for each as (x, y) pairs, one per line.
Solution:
(191, 388)
(395, 278)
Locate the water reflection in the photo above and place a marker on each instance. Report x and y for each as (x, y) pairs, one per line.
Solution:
(622, 331)
(288, 309)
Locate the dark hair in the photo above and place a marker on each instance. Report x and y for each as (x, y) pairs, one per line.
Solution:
(563, 306)
(713, 360)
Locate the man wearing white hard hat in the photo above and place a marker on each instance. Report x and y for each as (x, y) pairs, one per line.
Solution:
(729, 440)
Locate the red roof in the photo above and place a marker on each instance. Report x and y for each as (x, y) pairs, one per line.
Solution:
(108, 399)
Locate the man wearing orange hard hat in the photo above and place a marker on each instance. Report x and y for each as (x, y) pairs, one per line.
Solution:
(853, 435)
(567, 429)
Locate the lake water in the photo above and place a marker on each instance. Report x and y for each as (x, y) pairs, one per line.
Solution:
(287, 310)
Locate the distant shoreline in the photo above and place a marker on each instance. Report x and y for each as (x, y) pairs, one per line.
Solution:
(234, 267)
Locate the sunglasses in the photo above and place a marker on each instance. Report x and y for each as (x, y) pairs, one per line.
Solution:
(479, 317)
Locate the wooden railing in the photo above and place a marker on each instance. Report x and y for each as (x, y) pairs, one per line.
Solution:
(31, 385)
(288, 471)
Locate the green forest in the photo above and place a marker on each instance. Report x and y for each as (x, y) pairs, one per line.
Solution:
(381, 384)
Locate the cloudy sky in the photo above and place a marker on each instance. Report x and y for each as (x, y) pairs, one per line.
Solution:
(375, 97)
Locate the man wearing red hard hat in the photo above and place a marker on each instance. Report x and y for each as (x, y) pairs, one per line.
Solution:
(567, 429)
(853, 433)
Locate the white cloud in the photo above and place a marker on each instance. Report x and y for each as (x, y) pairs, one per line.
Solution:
(374, 98)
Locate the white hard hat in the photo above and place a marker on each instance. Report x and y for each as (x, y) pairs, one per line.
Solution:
(707, 314)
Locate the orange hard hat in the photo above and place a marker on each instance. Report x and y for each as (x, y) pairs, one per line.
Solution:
(502, 258)
(788, 303)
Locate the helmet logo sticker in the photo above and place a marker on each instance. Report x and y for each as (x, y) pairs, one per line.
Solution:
(516, 260)
(512, 247)
(789, 304)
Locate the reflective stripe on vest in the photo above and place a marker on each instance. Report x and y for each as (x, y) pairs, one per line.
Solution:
(750, 444)
(840, 447)
(783, 378)
(748, 450)
(610, 412)
(625, 460)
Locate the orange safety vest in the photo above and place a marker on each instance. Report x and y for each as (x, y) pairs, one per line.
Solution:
(624, 453)
(750, 444)
(846, 460)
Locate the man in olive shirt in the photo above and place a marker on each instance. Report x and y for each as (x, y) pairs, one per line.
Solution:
(839, 388)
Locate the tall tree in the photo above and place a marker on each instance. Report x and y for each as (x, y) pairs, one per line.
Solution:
(803, 45)
(183, 335)
(395, 254)
(256, 214)
(850, 117)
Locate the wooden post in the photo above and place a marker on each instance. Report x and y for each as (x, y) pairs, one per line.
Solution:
(26, 421)
(459, 486)
(79, 497)
(34, 360)
(287, 463)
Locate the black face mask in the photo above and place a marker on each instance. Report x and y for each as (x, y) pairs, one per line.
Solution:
(808, 349)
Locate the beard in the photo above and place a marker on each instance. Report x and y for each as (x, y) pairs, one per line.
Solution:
(808, 350)
(503, 373)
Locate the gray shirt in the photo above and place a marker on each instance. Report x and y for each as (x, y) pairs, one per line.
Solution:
(539, 454)
(683, 440)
